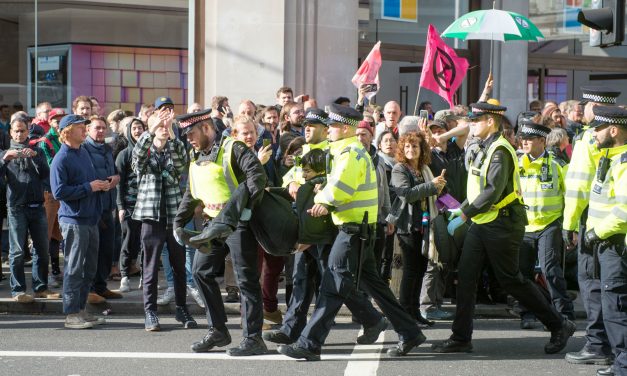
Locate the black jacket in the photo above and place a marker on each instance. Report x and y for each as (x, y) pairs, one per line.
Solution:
(313, 230)
(26, 178)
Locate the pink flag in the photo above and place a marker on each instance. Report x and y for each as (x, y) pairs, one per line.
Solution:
(442, 70)
(368, 73)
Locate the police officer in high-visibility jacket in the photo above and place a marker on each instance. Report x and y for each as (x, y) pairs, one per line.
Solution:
(498, 225)
(542, 186)
(350, 192)
(579, 178)
(218, 170)
(607, 226)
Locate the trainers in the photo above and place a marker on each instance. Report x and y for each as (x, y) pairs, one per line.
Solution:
(52, 282)
(125, 284)
(167, 297)
(438, 314)
(76, 321)
(47, 294)
(249, 346)
(371, 334)
(196, 296)
(22, 297)
(88, 317)
(183, 316)
(274, 317)
(559, 337)
(232, 295)
(277, 336)
(151, 322)
(93, 298)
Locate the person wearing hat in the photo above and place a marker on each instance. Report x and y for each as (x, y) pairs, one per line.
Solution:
(217, 167)
(350, 193)
(159, 159)
(579, 181)
(74, 184)
(448, 117)
(606, 227)
(498, 217)
(542, 186)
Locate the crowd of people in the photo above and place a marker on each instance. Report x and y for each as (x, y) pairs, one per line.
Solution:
(481, 205)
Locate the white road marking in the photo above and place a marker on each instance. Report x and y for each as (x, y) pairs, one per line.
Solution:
(364, 361)
(158, 355)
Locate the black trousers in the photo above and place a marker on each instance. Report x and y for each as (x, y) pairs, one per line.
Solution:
(339, 286)
(499, 241)
(131, 243)
(414, 269)
(106, 229)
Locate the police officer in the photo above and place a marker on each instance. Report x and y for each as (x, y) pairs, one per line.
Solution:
(607, 226)
(542, 185)
(498, 225)
(350, 192)
(579, 178)
(218, 170)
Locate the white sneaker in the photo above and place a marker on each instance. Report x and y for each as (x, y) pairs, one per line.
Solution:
(196, 295)
(88, 317)
(76, 321)
(52, 282)
(167, 297)
(125, 284)
(22, 297)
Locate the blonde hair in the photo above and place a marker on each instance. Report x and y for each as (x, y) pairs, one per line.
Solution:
(242, 119)
(64, 132)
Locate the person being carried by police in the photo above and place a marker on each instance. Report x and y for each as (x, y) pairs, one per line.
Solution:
(542, 186)
(498, 218)
(607, 225)
(350, 196)
(224, 175)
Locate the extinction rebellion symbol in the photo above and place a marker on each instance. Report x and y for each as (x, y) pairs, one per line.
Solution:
(446, 64)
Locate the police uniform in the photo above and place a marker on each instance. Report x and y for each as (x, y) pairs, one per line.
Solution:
(215, 176)
(542, 186)
(579, 178)
(498, 225)
(606, 228)
(350, 192)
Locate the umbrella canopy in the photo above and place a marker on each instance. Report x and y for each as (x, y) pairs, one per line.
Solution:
(493, 24)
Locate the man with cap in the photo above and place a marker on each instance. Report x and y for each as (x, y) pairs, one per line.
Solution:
(74, 184)
(223, 175)
(607, 226)
(350, 195)
(498, 224)
(448, 117)
(579, 180)
(542, 186)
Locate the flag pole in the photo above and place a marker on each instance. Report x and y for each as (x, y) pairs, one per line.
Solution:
(417, 97)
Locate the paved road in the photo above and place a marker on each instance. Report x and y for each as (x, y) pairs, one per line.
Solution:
(38, 345)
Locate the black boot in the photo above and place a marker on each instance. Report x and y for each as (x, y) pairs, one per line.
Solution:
(249, 346)
(405, 346)
(183, 316)
(560, 337)
(213, 338)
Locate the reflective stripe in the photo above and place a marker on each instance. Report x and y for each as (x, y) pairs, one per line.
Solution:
(226, 165)
(358, 204)
(577, 175)
(620, 199)
(368, 186)
(596, 213)
(619, 213)
(544, 208)
(544, 194)
(341, 186)
(577, 195)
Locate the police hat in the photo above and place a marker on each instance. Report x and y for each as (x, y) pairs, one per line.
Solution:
(484, 108)
(315, 116)
(529, 129)
(187, 121)
(609, 115)
(344, 115)
(598, 94)
(162, 101)
(68, 120)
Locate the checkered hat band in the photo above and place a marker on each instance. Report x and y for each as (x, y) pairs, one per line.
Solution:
(193, 120)
(341, 119)
(314, 116)
(532, 131)
(603, 119)
(481, 111)
(599, 98)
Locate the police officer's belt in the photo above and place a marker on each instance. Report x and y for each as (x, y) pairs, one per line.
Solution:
(352, 228)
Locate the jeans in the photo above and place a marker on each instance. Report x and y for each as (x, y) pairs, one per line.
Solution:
(81, 259)
(106, 230)
(22, 220)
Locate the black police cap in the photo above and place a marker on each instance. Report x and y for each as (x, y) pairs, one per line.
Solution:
(484, 108)
(315, 116)
(187, 121)
(344, 115)
(529, 129)
(598, 94)
(609, 115)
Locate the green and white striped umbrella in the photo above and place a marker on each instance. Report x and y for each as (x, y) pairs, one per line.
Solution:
(493, 24)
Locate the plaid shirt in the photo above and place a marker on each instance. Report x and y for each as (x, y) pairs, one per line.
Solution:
(151, 184)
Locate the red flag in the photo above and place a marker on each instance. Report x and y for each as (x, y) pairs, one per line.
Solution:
(442, 70)
(368, 72)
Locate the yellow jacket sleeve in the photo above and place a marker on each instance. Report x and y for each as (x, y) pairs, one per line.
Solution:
(342, 182)
(616, 221)
(579, 177)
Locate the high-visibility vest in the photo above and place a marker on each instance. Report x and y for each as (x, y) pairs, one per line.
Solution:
(581, 169)
(607, 213)
(544, 199)
(213, 182)
(351, 187)
(295, 174)
(477, 182)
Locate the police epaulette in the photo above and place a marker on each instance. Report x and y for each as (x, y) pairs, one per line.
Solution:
(346, 150)
(623, 157)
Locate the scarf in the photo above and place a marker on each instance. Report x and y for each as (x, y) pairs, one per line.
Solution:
(433, 212)
(22, 163)
(389, 161)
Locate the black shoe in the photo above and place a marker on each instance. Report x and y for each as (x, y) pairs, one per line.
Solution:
(151, 322)
(277, 336)
(403, 347)
(609, 371)
(232, 296)
(183, 316)
(249, 346)
(297, 352)
(559, 338)
(423, 322)
(527, 323)
(212, 339)
(372, 333)
(586, 357)
(452, 346)
(212, 231)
